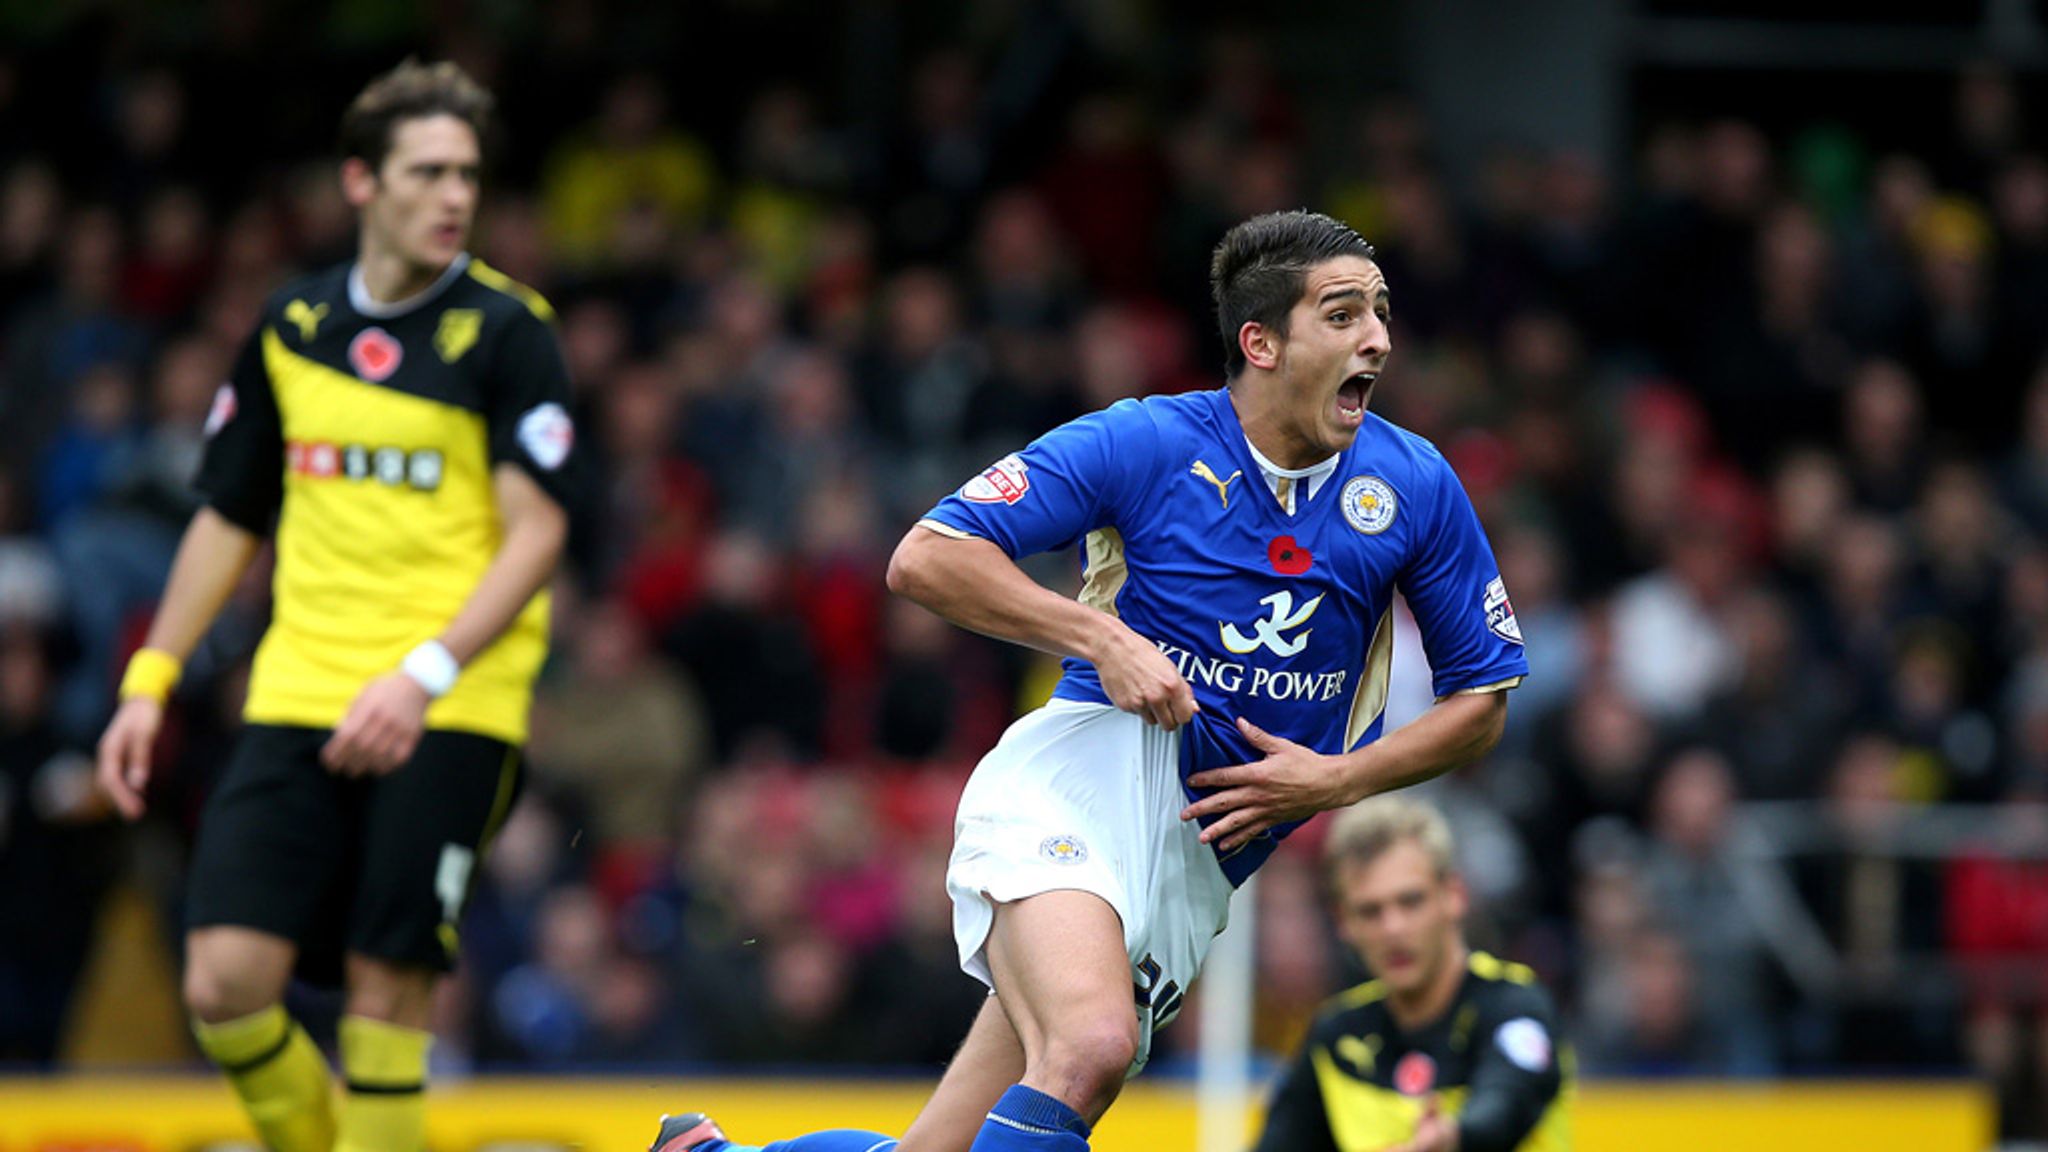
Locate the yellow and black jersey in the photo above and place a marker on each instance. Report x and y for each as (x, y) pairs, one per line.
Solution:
(368, 433)
(1360, 1081)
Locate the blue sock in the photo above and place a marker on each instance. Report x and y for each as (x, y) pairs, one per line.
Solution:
(1027, 1120)
(837, 1140)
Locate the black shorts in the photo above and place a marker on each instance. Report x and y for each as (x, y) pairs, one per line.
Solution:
(380, 866)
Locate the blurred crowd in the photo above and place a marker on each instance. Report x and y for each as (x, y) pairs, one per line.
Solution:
(1758, 423)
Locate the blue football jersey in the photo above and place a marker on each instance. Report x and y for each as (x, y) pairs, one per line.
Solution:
(1285, 620)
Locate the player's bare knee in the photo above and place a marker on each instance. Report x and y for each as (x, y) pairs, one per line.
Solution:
(205, 998)
(1091, 1062)
(216, 992)
(391, 1005)
(393, 993)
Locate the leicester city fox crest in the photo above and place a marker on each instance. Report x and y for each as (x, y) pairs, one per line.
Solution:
(1064, 849)
(1369, 504)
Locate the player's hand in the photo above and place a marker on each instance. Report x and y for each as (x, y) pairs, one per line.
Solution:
(381, 730)
(1138, 678)
(125, 750)
(1290, 783)
(1433, 1133)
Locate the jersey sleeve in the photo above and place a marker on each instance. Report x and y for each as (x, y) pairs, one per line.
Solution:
(1074, 479)
(1454, 588)
(1515, 1073)
(1295, 1120)
(241, 475)
(528, 407)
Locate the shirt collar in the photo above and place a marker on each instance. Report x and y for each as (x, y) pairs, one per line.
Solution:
(359, 297)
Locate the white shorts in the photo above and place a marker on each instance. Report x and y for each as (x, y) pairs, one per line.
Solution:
(1083, 796)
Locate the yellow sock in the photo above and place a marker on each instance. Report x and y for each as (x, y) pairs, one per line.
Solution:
(280, 1075)
(386, 1106)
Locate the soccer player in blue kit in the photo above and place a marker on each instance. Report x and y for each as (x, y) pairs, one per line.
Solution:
(1225, 670)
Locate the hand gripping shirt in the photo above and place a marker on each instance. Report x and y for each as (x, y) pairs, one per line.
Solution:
(1285, 620)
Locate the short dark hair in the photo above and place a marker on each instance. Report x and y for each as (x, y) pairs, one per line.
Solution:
(411, 91)
(1256, 272)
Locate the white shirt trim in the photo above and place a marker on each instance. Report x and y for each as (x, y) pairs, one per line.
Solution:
(359, 297)
(1483, 689)
(945, 529)
(1290, 480)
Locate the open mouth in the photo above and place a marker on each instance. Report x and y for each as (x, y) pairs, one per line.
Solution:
(1353, 394)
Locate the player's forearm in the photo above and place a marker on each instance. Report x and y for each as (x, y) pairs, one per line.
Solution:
(974, 585)
(524, 564)
(1490, 1134)
(211, 559)
(1455, 731)
(1499, 1120)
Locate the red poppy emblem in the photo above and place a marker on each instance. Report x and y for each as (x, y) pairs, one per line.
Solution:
(1415, 1075)
(1287, 557)
(374, 354)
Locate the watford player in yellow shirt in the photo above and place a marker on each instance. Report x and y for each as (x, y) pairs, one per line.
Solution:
(1447, 1050)
(401, 421)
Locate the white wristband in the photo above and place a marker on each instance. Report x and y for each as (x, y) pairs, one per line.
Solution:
(432, 667)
